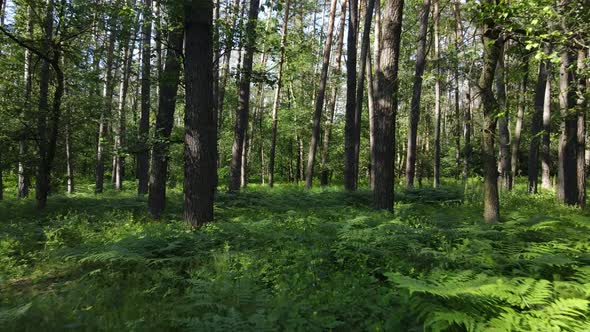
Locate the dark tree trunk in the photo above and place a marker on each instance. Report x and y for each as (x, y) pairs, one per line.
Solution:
(518, 126)
(243, 110)
(277, 98)
(325, 171)
(581, 133)
(365, 43)
(200, 143)
(350, 180)
(536, 127)
(24, 172)
(567, 190)
(546, 137)
(492, 47)
(143, 162)
(164, 123)
(504, 133)
(386, 98)
(417, 95)
(319, 102)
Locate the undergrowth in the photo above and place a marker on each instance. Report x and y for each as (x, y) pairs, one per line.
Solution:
(293, 260)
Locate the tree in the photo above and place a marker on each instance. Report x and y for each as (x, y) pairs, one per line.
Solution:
(200, 142)
(504, 133)
(350, 176)
(144, 121)
(437, 96)
(277, 97)
(519, 121)
(169, 81)
(386, 98)
(243, 110)
(492, 51)
(319, 102)
(417, 95)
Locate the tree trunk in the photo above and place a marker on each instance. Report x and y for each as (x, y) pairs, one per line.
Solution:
(105, 116)
(567, 191)
(319, 102)
(200, 143)
(277, 97)
(504, 139)
(581, 104)
(437, 96)
(164, 123)
(518, 126)
(417, 95)
(226, 62)
(365, 43)
(372, 88)
(24, 176)
(325, 171)
(350, 180)
(144, 121)
(537, 126)
(492, 47)
(69, 154)
(386, 98)
(546, 138)
(458, 39)
(243, 100)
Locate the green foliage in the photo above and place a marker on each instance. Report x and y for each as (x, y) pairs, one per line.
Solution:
(290, 259)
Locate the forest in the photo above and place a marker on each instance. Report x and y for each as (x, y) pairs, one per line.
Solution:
(294, 165)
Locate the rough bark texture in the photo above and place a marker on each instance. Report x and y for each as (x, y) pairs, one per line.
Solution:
(325, 170)
(319, 102)
(350, 181)
(492, 46)
(437, 96)
(386, 97)
(567, 190)
(143, 163)
(200, 149)
(536, 127)
(277, 98)
(516, 138)
(417, 95)
(546, 138)
(503, 118)
(164, 123)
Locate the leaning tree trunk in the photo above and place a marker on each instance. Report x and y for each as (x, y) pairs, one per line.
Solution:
(350, 180)
(567, 191)
(417, 95)
(386, 98)
(277, 98)
(143, 163)
(319, 102)
(492, 47)
(437, 96)
(243, 100)
(164, 122)
(325, 171)
(365, 43)
(518, 126)
(200, 141)
(536, 126)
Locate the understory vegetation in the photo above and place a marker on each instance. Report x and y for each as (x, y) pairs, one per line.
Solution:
(290, 259)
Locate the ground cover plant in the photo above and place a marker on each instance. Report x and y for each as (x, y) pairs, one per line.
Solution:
(290, 259)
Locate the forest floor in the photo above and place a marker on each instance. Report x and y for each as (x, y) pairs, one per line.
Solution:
(289, 259)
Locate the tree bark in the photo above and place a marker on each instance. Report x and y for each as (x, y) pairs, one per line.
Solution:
(581, 104)
(503, 115)
(417, 95)
(226, 63)
(24, 175)
(437, 96)
(386, 98)
(567, 191)
(537, 126)
(243, 110)
(277, 98)
(546, 138)
(325, 171)
(492, 50)
(350, 178)
(164, 123)
(144, 121)
(518, 126)
(200, 149)
(319, 102)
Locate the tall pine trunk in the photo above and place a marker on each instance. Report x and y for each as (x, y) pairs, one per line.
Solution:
(581, 105)
(386, 98)
(200, 141)
(503, 118)
(537, 126)
(350, 181)
(143, 163)
(417, 95)
(243, 110)
(437, 96)
(319, 102)
(518, 126)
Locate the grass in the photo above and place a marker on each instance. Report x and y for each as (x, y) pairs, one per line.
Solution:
(288, 259)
